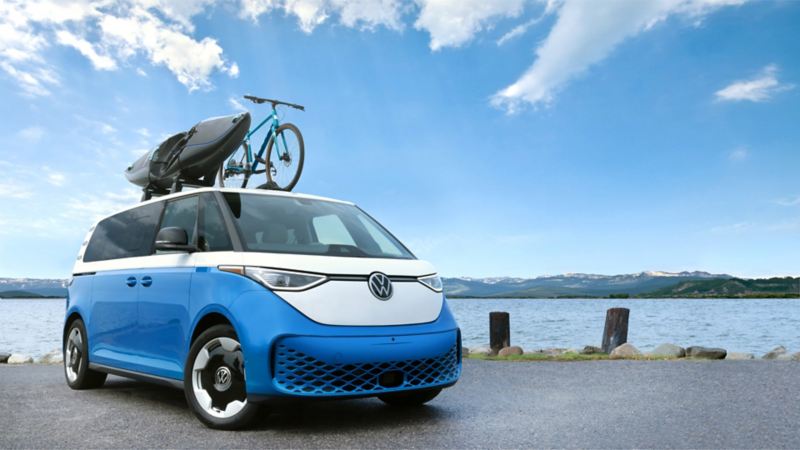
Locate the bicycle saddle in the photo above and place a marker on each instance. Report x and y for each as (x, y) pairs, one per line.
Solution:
(259, 100)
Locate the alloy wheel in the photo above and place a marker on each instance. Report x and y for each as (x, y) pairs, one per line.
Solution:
(218, 378)
(73, 354)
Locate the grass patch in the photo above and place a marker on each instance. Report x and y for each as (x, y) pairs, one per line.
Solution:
(562, 357)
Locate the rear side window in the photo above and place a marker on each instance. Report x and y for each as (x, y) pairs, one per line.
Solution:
(125, 235)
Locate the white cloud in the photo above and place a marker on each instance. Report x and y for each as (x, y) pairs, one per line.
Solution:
(143, 132)
(252, 9)
(107, 34)
(739, 154)
(584, 34)
(236, 104)
(15, 191)
(734, 228)
(96, 125)
(452, 23)
(369, 14)
(233, 70)
(362, 14)
(98, 206)
(551, 7)
(790, 201)
(31, 134)
(54, 177)
(34, 81)
(99, 61)
(191, 61)
(759, 89)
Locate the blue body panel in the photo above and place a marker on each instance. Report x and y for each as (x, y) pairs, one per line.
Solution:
(148, 329)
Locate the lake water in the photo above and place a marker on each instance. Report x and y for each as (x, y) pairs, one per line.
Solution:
(33, 327)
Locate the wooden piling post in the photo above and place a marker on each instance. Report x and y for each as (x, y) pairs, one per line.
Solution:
(499, 330)
(616, 329)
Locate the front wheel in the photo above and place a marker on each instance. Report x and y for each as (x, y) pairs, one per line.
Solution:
(76, 359)
(214, 380)
(410, 398)
(285, 156)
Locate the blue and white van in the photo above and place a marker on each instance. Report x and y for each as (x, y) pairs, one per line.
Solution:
(242, 297)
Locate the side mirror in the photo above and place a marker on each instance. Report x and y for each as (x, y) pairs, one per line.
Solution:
(174, 239)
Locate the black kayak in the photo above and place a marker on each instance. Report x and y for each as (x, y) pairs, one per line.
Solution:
(193, 156)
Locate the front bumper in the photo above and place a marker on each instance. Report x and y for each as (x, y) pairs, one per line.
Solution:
(349, 366)
(288, 355)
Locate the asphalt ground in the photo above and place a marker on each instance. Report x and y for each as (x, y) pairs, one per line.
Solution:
(605, 404)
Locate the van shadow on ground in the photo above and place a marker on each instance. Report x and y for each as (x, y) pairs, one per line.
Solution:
(300, 415)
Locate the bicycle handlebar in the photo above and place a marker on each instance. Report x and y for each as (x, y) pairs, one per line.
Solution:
(259, 100)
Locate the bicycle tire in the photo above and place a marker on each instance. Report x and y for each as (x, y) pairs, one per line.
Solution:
(221, 172)
(301, 155)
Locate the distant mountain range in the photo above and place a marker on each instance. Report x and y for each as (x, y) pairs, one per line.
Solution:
(32, 288)
(644, 284)
(732, 287)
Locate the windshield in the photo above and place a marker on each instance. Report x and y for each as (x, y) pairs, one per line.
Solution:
(270, 223)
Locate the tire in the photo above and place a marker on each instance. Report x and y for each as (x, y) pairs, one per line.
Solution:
(214, 380)
(410, 398)
(300, 157)
(75, 350)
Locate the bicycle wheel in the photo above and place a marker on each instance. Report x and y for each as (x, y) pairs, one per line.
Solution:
(285, 156)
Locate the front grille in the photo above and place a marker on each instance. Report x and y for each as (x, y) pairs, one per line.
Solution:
(301, 374)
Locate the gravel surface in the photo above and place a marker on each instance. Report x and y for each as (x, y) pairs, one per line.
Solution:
(678, 404)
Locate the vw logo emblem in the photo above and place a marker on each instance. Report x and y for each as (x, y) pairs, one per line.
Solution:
(381, 286)
(222, 379)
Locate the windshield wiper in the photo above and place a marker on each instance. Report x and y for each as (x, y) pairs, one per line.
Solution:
(348, 250)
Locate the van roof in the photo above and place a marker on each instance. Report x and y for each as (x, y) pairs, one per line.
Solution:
(225, 189)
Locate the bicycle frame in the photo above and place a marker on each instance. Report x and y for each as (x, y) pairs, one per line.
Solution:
(252, 161)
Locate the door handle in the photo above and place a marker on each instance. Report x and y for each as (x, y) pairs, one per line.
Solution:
(131, 281)
(147, 281)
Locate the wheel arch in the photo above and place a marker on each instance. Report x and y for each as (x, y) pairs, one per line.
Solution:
(208, 320)
(71, 317)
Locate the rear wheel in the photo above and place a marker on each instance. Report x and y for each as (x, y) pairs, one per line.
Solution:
(410, 398)
(285, 157)
(76, 359)
(214, 380)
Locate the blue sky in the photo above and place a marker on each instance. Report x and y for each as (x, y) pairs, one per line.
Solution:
(516, 137)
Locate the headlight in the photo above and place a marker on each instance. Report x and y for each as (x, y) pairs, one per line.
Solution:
(281, 280)
(432, 281)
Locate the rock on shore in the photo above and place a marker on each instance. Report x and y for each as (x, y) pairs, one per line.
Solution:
(54, 357)
(509, 351)
(17, 358)
(4, 357)
(778, 352)
(706, 352)
(669, 350)
(625, 351)
(591, 350)
(483, 350)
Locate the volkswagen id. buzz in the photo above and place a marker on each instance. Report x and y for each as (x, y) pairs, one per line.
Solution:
(244, 297)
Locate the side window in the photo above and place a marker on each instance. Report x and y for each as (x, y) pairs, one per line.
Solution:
(182, 213)
(331, 230)
(125, 235)
(214, 234)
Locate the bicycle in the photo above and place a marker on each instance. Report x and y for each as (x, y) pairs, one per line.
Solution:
(282, 166)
